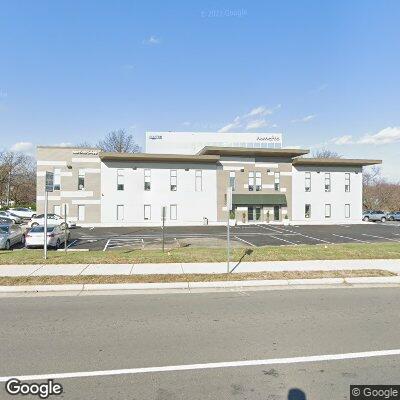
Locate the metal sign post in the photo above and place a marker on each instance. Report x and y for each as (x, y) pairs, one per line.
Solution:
(65, 227)
(49, 185)
(228, 241)
(163, 210)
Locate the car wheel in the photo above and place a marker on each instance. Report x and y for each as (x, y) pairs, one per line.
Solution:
(383, 219)
(391, 219)
(34, 224)
(33, 215)
(8, 245)
(23, 240)
(366, 219)
(57, 246)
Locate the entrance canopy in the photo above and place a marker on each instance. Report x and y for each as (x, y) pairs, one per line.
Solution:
(259, 199)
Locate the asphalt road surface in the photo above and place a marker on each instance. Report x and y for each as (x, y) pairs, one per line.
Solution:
(43, 335)
(242, 235)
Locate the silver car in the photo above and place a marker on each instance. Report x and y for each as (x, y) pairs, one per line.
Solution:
(11, 235)
(10, 215)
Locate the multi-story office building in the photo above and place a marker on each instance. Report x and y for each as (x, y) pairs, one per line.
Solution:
(270, 184)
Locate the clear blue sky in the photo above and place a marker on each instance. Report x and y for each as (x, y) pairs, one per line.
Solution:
(324, 73)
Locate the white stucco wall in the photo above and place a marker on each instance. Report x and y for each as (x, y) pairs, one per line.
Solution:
(192, 206)
(317, 197)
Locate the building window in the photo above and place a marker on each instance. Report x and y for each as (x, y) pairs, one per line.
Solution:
(173, 212)
(347, 182)
(327, 181)
(81, 179)
(251, 181)
(232, 180)
(147, 179)
(277, 182)
(347, 210)
(120, 179)
(307, 211)
(327, 210)
(120, 212)
(173, 180)
(307, 183)
(81, 213)
(258, 181)
(147, 212)
(198, 180)
(57, 179)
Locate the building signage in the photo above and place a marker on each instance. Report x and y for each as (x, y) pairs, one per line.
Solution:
(155, 137)
(269, 138)
(49, 183)
(87, 152)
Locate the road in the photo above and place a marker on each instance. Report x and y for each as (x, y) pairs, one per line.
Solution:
(41, 335)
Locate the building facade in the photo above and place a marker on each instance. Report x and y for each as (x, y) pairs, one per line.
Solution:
(269, 185)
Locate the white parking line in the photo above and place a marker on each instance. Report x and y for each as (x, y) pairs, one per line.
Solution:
(71, 244)
(284, 240)
(105, 247)
(381, 237)
(275, 230)
(245, 241)
(192, 367)
(347, 237)
(302, 234)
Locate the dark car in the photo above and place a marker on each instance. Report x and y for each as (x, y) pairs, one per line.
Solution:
(6, 221)
(394, 216)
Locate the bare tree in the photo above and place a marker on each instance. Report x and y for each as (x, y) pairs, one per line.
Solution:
(119, 141)
(325, 153)
(17, 178)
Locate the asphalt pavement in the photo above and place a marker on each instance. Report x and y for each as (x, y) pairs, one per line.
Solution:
(108, 333)
(242, 235)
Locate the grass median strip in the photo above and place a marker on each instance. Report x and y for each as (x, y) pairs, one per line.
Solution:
(181, 255)
(63, 280)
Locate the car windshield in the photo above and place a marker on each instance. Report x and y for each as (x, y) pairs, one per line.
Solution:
(39, 229)
(4, 230)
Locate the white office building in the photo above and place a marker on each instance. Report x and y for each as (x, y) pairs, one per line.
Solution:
(188, 175)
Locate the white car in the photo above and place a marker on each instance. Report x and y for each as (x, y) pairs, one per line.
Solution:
(56, 236)
(11, 235)
(52, 220)
(9, 215)
(23, 212)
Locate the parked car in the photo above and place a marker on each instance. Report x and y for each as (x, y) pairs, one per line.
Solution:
(375, 216)
(23, 212)
(394, 216)
(10, 215)
(52, 220)
(11, 235)
(56, 236)
(6, 221)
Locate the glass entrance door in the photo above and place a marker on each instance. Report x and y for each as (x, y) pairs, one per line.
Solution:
(254, 213)
(276, 213)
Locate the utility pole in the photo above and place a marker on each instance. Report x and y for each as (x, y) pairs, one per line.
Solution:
(228, 241)
(163, 227)
(65, 227)
(49, 187)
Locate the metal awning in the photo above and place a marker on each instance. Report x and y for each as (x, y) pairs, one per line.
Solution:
(252, 199)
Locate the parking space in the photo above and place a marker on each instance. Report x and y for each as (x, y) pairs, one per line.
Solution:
(108, 239)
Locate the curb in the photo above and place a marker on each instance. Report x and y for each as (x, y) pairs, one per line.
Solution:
(187, 286)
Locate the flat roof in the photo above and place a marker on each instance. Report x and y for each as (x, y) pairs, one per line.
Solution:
(104, 156)
(257, 152)
(335, 161)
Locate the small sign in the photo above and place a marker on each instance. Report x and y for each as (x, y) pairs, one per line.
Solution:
(49, 181)
(229, 199)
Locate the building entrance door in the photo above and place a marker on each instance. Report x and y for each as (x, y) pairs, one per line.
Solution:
(277, 213)
(254, 213)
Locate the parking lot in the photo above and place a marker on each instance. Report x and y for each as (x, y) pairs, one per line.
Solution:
(108, 239)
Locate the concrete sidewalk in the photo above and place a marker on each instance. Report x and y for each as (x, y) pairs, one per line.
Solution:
(197, 268)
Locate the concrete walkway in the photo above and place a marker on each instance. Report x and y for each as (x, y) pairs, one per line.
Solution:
(190, 268)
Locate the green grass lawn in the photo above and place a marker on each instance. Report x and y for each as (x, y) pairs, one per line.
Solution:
(181, 255)
(268, 275)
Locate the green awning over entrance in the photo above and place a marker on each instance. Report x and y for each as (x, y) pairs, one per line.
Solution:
(255, 199)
